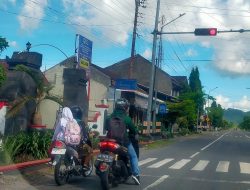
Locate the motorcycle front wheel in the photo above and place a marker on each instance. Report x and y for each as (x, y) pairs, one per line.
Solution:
(60, 173)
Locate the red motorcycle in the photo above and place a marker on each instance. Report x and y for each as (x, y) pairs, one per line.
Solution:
(112, 164)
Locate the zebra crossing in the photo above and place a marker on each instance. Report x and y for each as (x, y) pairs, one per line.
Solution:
(200, 165)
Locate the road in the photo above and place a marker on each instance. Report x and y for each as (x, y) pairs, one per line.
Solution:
(216, 160)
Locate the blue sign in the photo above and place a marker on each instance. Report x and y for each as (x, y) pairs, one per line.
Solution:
(162, 109)
(126, 84)
(84, 52)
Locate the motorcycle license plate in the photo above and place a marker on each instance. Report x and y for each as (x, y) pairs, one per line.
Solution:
(105, 157)
(58, 151)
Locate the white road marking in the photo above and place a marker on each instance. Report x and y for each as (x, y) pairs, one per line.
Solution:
(201, 165)
(213, 142)
(161, 163)
(195, 154)
(180, 164)
(244, 168)
(157, 182)
(142, 162)
(217, 181)
(247, 136)
(222, 166)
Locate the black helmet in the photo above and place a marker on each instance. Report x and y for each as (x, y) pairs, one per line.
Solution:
(122, 104)
(77, 112)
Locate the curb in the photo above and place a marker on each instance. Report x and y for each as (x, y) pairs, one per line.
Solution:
(22, 165)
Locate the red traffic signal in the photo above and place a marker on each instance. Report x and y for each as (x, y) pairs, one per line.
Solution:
(205, 31)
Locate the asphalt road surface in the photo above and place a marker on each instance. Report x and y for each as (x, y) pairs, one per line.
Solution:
(216, 160)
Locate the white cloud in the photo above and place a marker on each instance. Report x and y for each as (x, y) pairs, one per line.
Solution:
(243, 104)
(191, 53)
(12, 43)
(111, 22)
(147, 53)
(35, 10)
(101, 20)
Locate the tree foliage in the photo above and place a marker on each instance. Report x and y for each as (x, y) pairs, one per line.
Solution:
(245, 124)
(3, 74)
(183, 113)
(215, 114)
(3, 44)
(196, 88)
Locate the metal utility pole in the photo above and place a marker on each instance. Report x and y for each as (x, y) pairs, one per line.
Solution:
(159, 62)
(150, 98)
(138, 3)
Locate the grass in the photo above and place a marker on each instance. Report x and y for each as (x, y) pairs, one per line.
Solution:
(5, 158)
(159, 143)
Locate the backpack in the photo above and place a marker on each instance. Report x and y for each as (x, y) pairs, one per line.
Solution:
(117, 130)
(72, 133)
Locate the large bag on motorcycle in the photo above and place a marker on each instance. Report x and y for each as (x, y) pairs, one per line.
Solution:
(72, 133)
(117, 130)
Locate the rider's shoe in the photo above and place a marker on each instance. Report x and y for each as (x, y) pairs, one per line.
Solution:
(136, 179)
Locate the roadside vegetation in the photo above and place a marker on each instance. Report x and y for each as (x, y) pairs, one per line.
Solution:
(191, 110)
(28, 146)
(245, 124)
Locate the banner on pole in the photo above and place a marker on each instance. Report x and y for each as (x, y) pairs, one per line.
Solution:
(84, 52)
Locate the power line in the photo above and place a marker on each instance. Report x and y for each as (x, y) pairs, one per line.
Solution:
(64, 23)
(215, 8)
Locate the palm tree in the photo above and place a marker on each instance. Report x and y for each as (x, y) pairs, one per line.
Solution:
(42, 93)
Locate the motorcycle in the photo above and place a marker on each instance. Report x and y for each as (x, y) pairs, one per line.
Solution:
(112, 164)
(68, 161)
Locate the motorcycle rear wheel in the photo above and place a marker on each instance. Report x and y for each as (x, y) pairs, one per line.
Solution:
(105, 183)
(60, 173)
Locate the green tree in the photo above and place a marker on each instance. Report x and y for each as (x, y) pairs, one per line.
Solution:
(245, 124)
(3, 44)
(3, 74)
(196, 88)
(194, 80)
(183, 112)
(215, 114)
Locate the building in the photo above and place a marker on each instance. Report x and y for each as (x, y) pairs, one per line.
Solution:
(167, 87)
(97, 90)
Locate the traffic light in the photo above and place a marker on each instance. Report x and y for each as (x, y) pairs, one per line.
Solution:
(205, 31)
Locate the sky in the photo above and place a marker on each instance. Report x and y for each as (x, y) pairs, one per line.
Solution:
(223, 60)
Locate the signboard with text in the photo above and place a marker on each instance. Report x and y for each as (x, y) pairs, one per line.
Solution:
(126, 84)
(84, 52)
(162, 109)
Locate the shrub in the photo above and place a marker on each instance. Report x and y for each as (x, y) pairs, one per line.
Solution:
(31, 145)
(184, 131)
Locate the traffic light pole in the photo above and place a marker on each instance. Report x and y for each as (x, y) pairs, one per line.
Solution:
(150, 98)
(219, 31)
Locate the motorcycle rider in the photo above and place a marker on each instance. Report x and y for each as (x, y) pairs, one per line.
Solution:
(86, 143)
(121, 109)
(60, 129)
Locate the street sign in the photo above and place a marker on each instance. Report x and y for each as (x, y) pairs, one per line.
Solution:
(84, 52)
(162, 109)
(126, 84)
